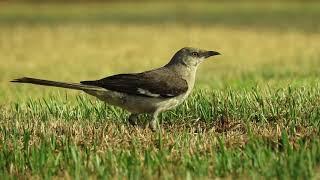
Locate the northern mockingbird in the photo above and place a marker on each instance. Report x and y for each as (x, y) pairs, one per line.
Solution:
(149, 92)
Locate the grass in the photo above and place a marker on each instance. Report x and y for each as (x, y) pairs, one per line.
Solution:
(274, 15)
(255, 112)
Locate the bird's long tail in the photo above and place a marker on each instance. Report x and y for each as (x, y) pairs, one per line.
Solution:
(77, 86)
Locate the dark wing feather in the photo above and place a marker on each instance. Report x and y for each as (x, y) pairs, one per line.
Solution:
(156, 83)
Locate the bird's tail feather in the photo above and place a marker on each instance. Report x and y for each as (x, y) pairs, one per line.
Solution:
(43, 82)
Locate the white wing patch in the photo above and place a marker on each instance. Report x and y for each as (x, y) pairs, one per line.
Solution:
(148, 93)
(169, 95)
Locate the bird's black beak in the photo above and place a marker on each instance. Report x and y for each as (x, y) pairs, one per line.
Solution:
(211, 53)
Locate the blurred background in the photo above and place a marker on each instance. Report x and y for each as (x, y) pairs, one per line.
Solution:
(266, 44)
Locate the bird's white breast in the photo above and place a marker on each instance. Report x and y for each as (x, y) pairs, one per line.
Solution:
(190, 77)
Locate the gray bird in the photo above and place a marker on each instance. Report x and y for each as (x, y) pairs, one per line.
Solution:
(148, 92)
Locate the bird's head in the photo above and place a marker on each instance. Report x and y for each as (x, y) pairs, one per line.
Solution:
(191, 57)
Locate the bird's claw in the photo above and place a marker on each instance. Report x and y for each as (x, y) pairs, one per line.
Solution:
(133, 120)
(154, 126)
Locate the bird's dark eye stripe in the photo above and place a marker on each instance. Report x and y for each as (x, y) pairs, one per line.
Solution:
(195, 54)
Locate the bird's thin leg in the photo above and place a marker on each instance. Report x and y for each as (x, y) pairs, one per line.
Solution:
(133, 118)
(154, 125)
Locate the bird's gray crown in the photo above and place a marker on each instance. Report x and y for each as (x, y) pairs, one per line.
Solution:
(190, 56)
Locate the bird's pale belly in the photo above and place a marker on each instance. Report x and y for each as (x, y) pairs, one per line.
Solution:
(138, 104)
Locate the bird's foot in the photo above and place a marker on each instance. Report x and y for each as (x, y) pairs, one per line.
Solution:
(154, 126)
(133, 119)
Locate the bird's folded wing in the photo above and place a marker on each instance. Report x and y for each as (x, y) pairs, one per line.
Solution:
(161, 83)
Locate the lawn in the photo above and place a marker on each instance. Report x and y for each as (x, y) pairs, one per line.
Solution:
(255, 111)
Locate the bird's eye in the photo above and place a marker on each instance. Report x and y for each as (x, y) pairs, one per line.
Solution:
(195, 54)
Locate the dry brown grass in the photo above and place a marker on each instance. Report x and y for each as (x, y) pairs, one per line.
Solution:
(182, 136)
